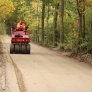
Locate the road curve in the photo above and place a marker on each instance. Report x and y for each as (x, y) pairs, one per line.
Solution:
(47, 71)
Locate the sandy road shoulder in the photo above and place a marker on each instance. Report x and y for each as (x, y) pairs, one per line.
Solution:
(2, 68)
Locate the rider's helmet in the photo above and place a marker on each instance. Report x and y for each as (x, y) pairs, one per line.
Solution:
(21, 22)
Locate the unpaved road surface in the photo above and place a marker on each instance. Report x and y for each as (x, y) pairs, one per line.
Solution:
(48, 71)
(2, 69)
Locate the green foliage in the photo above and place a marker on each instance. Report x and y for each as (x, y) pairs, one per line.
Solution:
(86, 44)
(6, 8)
(71, 41)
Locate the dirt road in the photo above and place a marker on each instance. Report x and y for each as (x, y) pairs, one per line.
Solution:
(47, 71)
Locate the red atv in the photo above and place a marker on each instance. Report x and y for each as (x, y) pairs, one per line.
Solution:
(19, 42)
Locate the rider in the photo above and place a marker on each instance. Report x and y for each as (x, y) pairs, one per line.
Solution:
(21, 26)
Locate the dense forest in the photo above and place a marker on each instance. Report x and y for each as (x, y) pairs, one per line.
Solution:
(66, 24)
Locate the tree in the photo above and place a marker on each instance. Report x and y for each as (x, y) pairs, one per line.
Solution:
(81, 13)
(62, 24)
(43, 16)
(48, 16)
(6, 8)
(55, 23)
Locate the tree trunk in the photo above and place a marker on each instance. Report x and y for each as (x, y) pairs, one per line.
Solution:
(55, 24)
(81, 19)
(62, 25)
(38, 21)
(43, 16)
(36, 35)
(83, 14)
(84, 26)
(48, 24)
(91, 24)
(80, 25)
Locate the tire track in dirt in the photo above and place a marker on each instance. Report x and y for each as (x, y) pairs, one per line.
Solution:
(19, 77)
